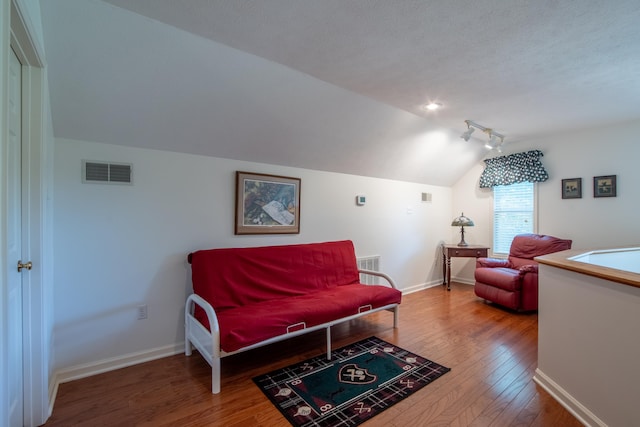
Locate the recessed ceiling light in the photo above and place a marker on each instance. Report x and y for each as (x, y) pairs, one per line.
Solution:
(433, 106)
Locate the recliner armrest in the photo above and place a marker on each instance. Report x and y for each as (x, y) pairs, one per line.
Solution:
(529, 268)
(492, 263)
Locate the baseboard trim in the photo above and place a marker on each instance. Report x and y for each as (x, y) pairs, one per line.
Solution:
(463, 280)
(113, 363)
(582, 413)
(421, 287)
(433, 284)
(53, 393)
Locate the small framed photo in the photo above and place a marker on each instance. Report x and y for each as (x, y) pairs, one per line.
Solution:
(267, 204)
(572, 188)
(604, 186)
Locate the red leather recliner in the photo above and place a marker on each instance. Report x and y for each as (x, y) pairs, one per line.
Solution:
(513, 282)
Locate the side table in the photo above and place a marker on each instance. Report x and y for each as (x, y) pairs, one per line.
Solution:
(450, 251)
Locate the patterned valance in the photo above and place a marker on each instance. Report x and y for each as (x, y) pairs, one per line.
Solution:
(519, 167)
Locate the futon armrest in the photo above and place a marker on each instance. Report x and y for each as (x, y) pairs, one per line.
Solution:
(492, 263)
(194, 300)
(378, 274)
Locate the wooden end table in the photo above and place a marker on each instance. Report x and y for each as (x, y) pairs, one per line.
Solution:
(450, 251)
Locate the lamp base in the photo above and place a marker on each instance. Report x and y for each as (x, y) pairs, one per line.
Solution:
(462, 242)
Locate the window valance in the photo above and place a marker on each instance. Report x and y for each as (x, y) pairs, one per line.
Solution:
(519, 167)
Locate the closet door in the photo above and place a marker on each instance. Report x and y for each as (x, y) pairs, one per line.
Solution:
(14, 246)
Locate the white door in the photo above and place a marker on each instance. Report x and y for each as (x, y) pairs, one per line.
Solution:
(14, 244)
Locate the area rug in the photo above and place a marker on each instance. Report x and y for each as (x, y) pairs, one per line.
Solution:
(360, 381)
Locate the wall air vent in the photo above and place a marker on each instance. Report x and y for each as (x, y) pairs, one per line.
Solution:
(371, 263)
(106, 173)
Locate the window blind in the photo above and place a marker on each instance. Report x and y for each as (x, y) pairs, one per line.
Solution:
(513, 214)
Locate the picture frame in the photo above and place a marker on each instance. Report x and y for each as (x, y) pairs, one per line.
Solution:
(267, 204)
(605, 186)
(572, 188)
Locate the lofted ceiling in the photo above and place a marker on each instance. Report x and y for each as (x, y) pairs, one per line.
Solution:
(339, 85)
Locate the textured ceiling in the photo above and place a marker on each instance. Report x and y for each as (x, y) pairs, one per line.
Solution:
(526, 68)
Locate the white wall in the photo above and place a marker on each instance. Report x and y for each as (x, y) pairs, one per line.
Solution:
(590, 222)
(593, 222)
(118, 246)
(477, 204)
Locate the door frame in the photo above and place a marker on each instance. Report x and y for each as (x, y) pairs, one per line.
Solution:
(18, 32)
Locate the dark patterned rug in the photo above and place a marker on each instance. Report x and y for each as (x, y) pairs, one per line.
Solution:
(360, 381)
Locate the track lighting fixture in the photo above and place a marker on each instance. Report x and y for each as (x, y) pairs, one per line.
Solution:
(495, 139)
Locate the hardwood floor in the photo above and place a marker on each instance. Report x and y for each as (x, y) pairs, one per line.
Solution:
(492, 354)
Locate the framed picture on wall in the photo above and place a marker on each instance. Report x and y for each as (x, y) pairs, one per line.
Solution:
(267, 204)
(604, 186)
(572, 188)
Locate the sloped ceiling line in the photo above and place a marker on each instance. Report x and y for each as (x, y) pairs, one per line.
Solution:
(338, 86)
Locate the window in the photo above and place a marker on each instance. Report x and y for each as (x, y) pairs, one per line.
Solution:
(513, 213)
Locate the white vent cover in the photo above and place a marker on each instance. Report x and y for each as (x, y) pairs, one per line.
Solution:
(369, 263)
(106, 173)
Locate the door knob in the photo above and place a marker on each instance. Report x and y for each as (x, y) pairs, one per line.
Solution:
(26, 265)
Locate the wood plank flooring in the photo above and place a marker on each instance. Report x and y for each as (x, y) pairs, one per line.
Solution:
(492, 354)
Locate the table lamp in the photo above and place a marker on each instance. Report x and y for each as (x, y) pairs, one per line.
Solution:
(462, 222)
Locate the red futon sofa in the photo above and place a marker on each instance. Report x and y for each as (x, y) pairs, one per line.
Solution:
(513, 282)
(245, 298)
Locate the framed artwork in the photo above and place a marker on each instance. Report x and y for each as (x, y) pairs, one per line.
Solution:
(604, 186)
(572, 188)
(267, 204)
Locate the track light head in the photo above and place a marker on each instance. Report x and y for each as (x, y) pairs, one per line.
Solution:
(494, 144)
(493, 141)
(467, 134)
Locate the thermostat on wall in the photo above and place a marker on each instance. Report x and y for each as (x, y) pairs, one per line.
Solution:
(361, 200)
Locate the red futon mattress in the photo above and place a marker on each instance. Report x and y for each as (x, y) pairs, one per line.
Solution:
(263, 292)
